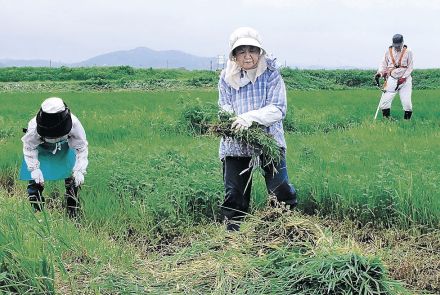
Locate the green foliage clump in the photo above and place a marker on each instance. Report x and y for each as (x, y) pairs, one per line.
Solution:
(330, 273)
(197, 116)
(203, 81)
(5, 133)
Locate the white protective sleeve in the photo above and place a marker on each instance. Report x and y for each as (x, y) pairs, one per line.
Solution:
(77, 140)
(265, 116)
(31, 140)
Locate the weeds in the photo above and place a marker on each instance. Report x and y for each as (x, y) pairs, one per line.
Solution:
(196, 117)
(254, 136)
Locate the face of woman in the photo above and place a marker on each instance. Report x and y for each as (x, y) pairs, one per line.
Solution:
(247, 56)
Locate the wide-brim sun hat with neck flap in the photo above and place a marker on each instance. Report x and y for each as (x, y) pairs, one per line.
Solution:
(244, 36)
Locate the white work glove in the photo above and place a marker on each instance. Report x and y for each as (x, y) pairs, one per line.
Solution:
(78, 177)
(240, 123)
(37, 176)
(265, 116)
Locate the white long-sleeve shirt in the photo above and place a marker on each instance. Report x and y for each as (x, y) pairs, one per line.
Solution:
(388, 67)
(76, 140)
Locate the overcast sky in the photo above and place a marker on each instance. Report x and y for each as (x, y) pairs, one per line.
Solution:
(300, 32)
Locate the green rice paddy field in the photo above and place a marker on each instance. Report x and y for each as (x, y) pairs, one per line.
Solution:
(367, 223)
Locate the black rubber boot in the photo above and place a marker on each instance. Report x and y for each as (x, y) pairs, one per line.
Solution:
(386, 113)
(35, 192)
(72, 198)
(407, 115)
(232, 225)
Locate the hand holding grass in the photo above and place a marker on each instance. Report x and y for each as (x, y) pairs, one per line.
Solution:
(240, 124)
(253, 135)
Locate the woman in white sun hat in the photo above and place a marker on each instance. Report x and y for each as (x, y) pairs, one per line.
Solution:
(251, 88)
(54, 147)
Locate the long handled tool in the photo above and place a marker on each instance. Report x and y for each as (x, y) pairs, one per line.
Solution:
(377, 110)
(376, 78)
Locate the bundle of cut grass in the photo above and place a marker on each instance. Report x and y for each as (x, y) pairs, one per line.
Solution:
(295, 256)
(275, 227)
(328, 273)
(275, 252)
(261, 141)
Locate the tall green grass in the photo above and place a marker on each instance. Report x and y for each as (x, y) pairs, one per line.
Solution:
(45, 253)
(150, 181)
(341, 162)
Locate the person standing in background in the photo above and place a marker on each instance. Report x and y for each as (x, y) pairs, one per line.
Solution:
(396, 68)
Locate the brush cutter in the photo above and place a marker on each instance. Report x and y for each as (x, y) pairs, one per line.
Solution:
(377, 80)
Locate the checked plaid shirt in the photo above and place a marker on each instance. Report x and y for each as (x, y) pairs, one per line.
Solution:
(268, 89)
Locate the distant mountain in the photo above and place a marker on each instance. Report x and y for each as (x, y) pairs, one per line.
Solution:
(140, 57)
(143, 57)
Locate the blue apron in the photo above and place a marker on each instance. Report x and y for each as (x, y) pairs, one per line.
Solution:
(56, 161)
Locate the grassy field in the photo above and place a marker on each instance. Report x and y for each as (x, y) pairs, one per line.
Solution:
(152, 192)
(125, 78)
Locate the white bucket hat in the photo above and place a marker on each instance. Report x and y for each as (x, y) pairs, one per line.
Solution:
(244, 36)
(53, 105)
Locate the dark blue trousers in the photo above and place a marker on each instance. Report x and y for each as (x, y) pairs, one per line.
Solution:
(35, 192)
(238, 187)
